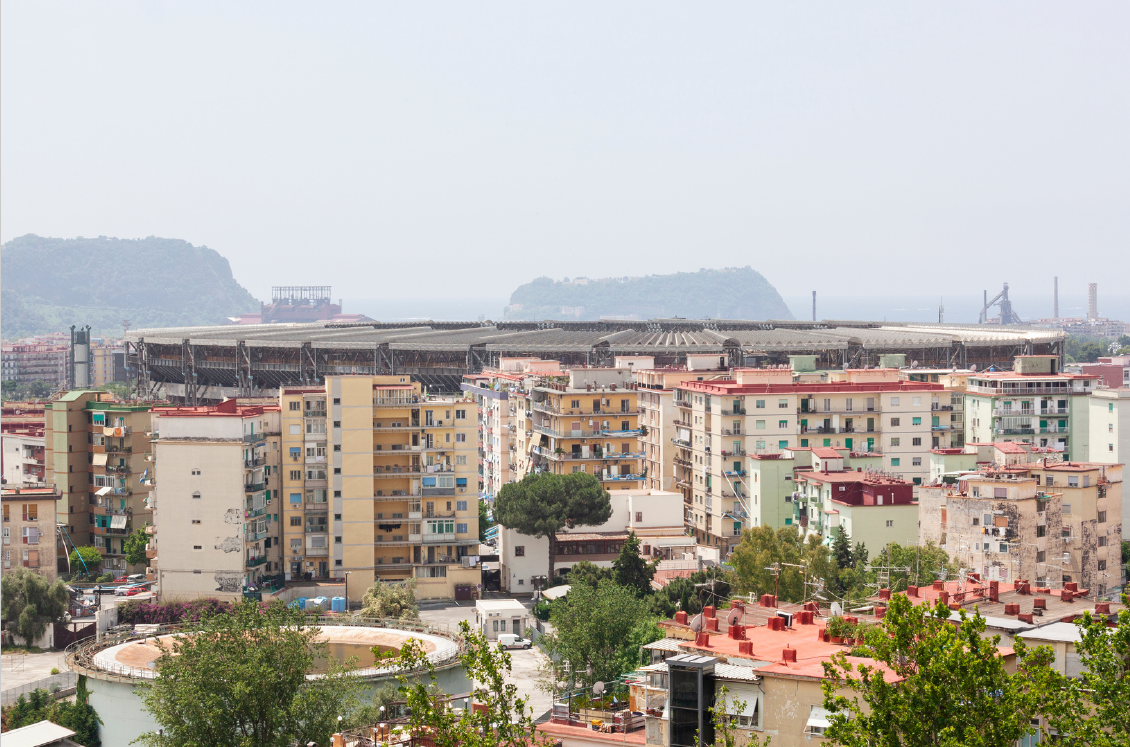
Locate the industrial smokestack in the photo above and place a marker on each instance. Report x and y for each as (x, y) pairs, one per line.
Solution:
(1092, 301)
(813, 305)
(1055, 297)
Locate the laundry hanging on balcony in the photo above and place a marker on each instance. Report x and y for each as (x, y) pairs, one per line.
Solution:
(388, 527)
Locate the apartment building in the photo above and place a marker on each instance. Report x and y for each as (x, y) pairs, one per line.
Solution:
(43, 358)
(656, 389)
(1051, 522)
(723, 425)
(871, 507)
(491, 392)
(656, 516)
(22, 454)
(1114, 370)
(401, 475)
(947, 408)
(585, 421)
(107, 362)
(29, 529)
(97, 451)
(1109, 424)
(1034, 403)
(216, 499)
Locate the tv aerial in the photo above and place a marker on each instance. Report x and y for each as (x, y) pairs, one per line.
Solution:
(696, 623)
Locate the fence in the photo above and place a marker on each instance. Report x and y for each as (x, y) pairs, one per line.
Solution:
(62, 681)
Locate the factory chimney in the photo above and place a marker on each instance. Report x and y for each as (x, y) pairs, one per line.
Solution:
(1055, 297)
(1092, 301)
(813, 305)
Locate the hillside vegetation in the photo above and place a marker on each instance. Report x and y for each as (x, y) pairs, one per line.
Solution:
(731, 293)
(49, 284)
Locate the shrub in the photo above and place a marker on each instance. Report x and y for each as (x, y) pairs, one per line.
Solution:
(105, 578)
(54, 670)
(134, 612)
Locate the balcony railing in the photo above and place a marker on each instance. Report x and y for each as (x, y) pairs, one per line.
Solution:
(255, 562)
(317, 552)
(254, 487)
(437, 537)
(620, 478)
(256, 536)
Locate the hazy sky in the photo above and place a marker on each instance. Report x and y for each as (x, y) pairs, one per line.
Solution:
(457, 150)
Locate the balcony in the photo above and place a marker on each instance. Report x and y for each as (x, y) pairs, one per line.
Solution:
(734, 473)
(682, 443)
(739, 452)
(254, 462)
(734, 411)
(254, 513)
(254, 437)
(314, 552)
(118, 469)
(256, 562)
(731, 432)
(431, 538)
(119, 449)
(100, 531)
(255, 536)
(317, 528)
(254, 487)
(620, 478)
(150, 550)
(1014, 431)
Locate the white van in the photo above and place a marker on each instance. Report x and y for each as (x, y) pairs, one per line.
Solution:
(512, 640)
(135, 578)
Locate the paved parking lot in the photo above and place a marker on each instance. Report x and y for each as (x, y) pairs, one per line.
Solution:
(523, 663)
(20, 669)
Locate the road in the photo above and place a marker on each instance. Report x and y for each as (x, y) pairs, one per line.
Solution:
(523, 663)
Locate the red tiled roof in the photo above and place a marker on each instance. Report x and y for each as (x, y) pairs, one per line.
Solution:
(826, 452)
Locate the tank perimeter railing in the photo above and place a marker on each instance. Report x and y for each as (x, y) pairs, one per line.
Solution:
(79, 656)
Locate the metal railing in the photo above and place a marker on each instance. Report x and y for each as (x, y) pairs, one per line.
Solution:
(61, 681)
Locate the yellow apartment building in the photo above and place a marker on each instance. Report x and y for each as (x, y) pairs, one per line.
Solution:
(401, 477)
(586, 421)
(29, 529)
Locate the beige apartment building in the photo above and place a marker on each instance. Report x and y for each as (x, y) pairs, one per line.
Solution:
(586, 421)
(97, 453)
(655, 392)
(491, 391)
(947, 408)
(1047, 522)
(402, 481)
(304, 476)
(29, 529)
(724, 424)
(216, 500)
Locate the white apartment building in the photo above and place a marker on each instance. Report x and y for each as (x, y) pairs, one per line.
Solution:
(655, 516)
(1109, 424)
(216, 499)
(491, 390)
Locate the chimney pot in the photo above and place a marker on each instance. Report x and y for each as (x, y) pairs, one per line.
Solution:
(789, 654)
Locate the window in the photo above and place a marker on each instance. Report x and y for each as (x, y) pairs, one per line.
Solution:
(460, 414)
(461, 528)
(1102, 541)
(894, 461)
(760, 425)
(895, 422)
(337, 424)
(296, 474)
(895, 441)
(1066, 508)
(196, 521)
(915, 421)
(894, 401)
(760, 404)
(296, 544)
(460, 505)
(1102, 565)
(783, 444)
(1003, 547)
(461, 459)
(916, 442)
(337, 400)
(31, 511)
(1073, 481)
(196, 495)
(1102, 517)
(296, 521)
(782, 424)
(296, 497)
(1041, 556)
(916, 461)
(1041, 530)
(197, 547)
(890, 522)
(519, 551)
(460, 438)
(782, 403)
(295, 429)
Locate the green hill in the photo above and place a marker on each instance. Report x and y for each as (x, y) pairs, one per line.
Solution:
(730, 293)
(49, 284)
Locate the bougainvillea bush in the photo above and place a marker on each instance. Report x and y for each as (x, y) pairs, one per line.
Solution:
(134, 612)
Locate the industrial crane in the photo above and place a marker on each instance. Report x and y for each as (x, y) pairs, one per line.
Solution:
(1008, 316)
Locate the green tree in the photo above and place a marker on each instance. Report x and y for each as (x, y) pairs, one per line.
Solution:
(796, 558)
(239, 679)
(134, 547)
(841, 548)
(31, 603)
(543, 504)
(693, 592)
(725, 713)
(485, 522)
(631, 570)
(79, 716)
(629, 655)
(1093, 709)
(396, 600)
(592, 632)
(932, 683)
(588, 573)
(505, 720)
(926, 563)
(85, 559)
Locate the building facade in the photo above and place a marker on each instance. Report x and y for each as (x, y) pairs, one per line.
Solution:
(491, 392)
(22, 452)
(216, 500)
(29, 529)
(1109, 424)
(38, 359)
(1034, 403)
(403, 482)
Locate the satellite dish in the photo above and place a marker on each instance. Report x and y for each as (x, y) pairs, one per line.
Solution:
(696, 623)
(837, 609)
(598, 689)
(733, 616)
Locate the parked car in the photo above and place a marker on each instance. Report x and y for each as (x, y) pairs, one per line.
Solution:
(136, 578)
(512, 640)
(135, 590)
(124, 591)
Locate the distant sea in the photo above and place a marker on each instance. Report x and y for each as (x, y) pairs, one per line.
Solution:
(961, 309)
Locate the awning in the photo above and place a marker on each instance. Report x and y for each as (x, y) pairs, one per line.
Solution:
(102, 491)
(100, 460)
(118, 522)
(818, 717)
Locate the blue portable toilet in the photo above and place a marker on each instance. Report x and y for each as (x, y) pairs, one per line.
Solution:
(337, 604)
(302, 603)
